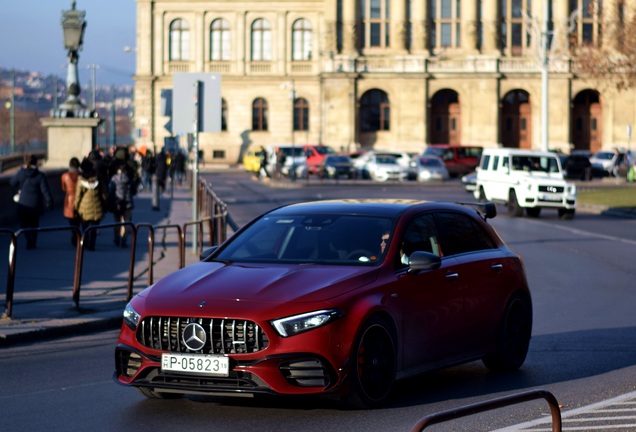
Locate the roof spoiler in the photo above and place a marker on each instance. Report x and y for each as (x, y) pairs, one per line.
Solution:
(487, 210)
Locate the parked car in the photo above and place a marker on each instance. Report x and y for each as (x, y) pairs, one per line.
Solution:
(430, 168)
(336, 166)
(315, 155)
(295, 158)
(252, 158)
(607, 160)
(459, 159)
(333, 298)
(403, 159)
(578, 167)
(379, 167)
(469, 181)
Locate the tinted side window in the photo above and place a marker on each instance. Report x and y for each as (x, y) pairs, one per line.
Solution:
(485, 161)
(460, 234)
(420, 235)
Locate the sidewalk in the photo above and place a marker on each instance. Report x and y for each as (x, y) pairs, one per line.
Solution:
(42, 303)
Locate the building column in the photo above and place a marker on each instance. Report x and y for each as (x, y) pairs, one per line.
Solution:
(349, 36)
(468, 13)
(490, 26)
(561, 19)
(418, 26)
(397, 38)
(609, 20)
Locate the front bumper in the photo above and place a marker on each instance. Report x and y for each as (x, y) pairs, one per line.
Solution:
(288, 374)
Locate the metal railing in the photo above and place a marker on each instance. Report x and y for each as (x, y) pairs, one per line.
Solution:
(493, 404)
(216, 218)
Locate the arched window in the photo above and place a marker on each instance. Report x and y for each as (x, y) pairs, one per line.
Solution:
(179, 40)
(223, 114)
(301, 114)
(445, 23)
(261, 40)
(219, 40)
(375, 111)
(514, 25)
(259, 115)
(375, 29)
(301, 40)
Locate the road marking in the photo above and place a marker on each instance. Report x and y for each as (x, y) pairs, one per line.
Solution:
(588, 417)
(585, 233)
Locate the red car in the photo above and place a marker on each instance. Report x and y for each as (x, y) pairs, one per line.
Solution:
(334, 298)
(316, 155)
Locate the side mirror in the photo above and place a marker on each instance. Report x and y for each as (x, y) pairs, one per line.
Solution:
(207, 252)
(419, 261)
(490, 210)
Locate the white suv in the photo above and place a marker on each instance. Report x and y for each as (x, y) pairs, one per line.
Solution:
(525, 179)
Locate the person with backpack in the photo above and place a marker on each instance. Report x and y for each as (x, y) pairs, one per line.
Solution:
(90, 202)
(121, 190)
(33, 196)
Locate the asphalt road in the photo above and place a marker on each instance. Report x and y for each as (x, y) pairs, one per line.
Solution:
(581, 274)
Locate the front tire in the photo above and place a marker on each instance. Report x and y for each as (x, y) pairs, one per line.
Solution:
(513, 336)
(373, 366)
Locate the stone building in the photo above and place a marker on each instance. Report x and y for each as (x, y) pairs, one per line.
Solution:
(383, 74)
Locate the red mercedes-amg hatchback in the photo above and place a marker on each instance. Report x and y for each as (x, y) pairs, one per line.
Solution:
(334, 298)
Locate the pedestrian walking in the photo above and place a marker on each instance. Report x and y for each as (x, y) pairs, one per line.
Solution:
(34, 196)
(148, 167)
(121, 190)
(90, 202)
(69, 185)
(262, 172)
(179, 161)
(161, 169)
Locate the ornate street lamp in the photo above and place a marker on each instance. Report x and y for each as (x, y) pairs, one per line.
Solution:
(73, 24)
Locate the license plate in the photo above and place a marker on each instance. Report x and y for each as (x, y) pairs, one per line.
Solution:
(211, 365)
(547, 197)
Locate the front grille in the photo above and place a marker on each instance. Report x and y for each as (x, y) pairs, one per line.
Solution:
(223, 336)
(552, 189)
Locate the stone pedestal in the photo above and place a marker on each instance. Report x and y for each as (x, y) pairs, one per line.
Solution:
(69, 137)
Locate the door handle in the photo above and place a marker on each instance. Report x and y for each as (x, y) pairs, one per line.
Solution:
(496, 267)
(452, 276)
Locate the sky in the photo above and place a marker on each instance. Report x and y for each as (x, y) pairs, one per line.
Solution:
(31, 38)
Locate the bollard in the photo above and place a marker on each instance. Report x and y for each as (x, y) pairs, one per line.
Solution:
(155, 193)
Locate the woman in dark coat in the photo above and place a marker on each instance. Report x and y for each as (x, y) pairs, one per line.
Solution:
(35, 195)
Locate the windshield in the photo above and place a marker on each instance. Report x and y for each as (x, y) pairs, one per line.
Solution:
(322, 238)
(297, 151)
(323, 150)
(544, 164)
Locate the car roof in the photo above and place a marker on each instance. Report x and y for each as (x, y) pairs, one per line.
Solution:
(518, 152)
(368, 207)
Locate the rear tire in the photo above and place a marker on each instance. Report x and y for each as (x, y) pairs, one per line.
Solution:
(373, 366)
(513, 337)
(514, 209)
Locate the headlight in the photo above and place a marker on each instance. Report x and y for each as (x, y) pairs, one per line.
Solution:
(131, 317)
(308, 321)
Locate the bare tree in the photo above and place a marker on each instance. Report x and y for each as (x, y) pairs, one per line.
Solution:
(612, 61)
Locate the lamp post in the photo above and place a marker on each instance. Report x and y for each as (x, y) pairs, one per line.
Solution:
(73, 25)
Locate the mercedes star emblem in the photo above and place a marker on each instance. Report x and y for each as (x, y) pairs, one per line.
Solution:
(194, 337)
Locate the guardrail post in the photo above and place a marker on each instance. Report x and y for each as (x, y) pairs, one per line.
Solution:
(8, 306)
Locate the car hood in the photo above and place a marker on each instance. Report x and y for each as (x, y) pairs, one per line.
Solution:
(262, 283)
